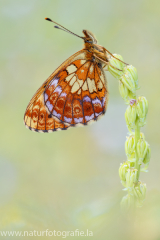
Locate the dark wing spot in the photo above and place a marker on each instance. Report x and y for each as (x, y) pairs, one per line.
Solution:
(99, 90)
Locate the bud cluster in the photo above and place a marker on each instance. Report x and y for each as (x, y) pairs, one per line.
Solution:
(137, 149)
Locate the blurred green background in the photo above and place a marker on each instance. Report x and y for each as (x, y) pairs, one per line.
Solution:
(69, 180)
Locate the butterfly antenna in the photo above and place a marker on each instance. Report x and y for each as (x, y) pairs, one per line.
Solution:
(63, 28)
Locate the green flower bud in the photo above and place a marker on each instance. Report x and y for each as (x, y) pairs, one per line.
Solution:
(128, 80)
(133, 74)
(131, 178)
(147, 156)
(131, 114)
(116, 65)
(130, 146)
(123, 171)
(142, 147)
(123, 91)
(142, 109)
(140, 193)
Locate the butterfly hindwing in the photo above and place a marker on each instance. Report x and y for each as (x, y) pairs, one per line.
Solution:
(78, 93)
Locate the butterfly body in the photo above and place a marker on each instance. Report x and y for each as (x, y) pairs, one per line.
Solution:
(74, 94)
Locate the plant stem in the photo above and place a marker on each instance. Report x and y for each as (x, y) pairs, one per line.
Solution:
(137, 136)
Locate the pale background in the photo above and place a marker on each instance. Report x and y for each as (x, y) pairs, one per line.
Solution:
(69, 180)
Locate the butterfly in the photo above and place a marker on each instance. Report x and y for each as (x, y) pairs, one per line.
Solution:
(75, 93)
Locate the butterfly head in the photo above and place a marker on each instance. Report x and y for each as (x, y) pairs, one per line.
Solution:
(89, 37)
(90, 43)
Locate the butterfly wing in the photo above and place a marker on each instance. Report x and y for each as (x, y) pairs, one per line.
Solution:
(36, 117)
(76, 93)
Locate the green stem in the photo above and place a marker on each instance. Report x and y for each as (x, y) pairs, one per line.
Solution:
(137, 137)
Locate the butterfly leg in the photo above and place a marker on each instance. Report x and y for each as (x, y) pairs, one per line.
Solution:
(106, 63)
(115, 67)
(114, 56)
(105, 67)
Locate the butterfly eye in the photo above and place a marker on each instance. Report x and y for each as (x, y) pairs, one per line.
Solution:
(89, 41)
